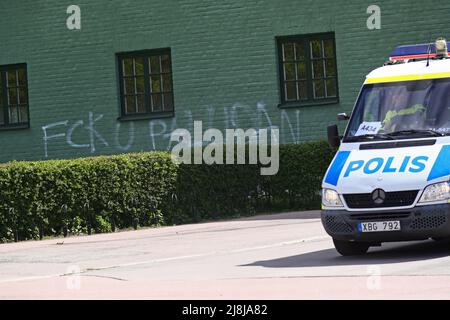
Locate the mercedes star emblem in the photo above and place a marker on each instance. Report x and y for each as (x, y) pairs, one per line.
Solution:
(378, 196)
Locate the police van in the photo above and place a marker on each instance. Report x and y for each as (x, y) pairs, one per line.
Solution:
(389, 180)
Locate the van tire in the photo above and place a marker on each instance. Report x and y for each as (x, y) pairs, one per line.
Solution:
(348, 248)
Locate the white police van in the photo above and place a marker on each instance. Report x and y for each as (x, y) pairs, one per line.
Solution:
(389, 180)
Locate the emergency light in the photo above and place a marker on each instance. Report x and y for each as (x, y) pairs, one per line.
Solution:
(441, 47)
(421, 51)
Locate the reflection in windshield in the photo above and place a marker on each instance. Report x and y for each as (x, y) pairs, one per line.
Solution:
(421, 106)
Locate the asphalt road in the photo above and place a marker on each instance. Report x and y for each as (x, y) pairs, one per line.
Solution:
(284, 256)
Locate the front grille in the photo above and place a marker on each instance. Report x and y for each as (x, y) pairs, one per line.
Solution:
(337, 225)
(429, 222)
(393, 199)
(379, 216)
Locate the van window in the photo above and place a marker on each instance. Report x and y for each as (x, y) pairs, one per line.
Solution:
(401, 109)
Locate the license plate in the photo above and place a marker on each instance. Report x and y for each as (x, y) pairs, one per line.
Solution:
(379, 226)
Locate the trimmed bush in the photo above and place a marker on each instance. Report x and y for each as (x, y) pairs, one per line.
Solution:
(216, 191)
(83, 195)
(100, 194)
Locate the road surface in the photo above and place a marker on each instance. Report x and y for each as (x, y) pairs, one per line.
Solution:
(283, 256)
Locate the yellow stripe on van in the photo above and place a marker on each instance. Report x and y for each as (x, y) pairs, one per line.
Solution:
(408, 77)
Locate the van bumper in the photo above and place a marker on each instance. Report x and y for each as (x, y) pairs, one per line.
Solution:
(419, 223)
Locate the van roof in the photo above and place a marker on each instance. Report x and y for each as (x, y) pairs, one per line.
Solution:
(410, 71)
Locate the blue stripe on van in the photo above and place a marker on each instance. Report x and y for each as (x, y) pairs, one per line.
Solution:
(441, 167)
(336, 167)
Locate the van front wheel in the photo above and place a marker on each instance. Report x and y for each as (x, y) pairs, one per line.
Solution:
(347, 248)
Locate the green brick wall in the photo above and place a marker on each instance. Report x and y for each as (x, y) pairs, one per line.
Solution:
(224, 64)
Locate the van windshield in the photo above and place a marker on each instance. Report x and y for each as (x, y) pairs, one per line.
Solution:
(401, 110)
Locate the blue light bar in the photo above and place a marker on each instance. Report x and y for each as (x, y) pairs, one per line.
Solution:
(415, 51)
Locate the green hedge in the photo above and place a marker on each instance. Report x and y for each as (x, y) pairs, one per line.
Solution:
(103, 193)
(99, 194)
(213, 191)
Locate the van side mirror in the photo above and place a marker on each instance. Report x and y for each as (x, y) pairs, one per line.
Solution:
(333, 136)
(343, 116)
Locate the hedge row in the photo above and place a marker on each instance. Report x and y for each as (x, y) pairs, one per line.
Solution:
(214, 191)
(79, 196)
(101, 194)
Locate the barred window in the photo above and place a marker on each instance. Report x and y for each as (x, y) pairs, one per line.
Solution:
(146, 83)
(308, 72)
(14, 111)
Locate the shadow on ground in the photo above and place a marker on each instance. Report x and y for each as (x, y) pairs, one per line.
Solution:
(388, 253)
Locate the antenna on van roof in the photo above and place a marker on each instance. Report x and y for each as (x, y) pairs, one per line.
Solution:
(429, 52)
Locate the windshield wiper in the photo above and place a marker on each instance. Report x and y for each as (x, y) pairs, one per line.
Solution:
(412, 131)
(377, 136)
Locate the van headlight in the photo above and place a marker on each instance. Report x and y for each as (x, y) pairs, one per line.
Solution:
(436, 192)
(330, 198)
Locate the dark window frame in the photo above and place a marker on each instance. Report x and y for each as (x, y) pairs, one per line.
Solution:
(305, 41)
(4, 96)
(148, 114)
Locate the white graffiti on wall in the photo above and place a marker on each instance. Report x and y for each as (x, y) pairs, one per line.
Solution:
(160, 130)
(93, 134)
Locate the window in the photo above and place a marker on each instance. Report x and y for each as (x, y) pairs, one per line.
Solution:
(146, 84)
(13, 96)
(308, 69)
(393, 107)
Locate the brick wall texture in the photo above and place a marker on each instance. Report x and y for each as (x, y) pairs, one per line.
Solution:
(224, 57)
